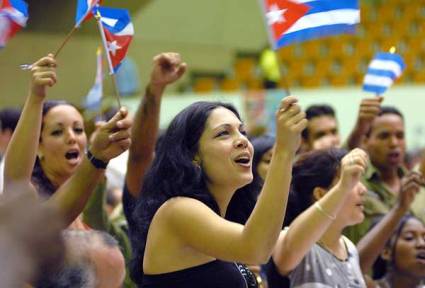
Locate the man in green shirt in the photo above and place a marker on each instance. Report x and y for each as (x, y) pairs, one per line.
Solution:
(386, 175)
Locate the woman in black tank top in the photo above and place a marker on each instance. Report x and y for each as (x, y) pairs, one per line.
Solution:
(202, 161)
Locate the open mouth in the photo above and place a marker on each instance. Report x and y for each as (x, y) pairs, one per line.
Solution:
(421, 256)
(394, 155)
(244, 160)
(71, 155)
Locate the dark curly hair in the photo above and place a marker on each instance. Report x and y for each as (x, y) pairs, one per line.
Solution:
(173, 174)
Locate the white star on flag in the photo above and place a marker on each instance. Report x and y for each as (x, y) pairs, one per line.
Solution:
(275, 15)
(113, 47)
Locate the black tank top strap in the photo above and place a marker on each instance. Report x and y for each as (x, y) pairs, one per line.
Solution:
(215, 274)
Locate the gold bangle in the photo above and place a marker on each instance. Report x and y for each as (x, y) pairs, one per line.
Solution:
(321, 210)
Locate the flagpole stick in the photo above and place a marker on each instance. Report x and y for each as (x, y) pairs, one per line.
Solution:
(273, 44)
(117, 92)
(111, 68)
(68, 36)
(285, 85)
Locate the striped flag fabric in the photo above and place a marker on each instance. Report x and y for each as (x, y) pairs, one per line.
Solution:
(291, 21)
(117, 32)
(84, 8)
(93, 99)
(383, 70)
(13, 17)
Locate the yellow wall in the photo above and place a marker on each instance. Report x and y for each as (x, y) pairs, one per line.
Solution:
(206, 33)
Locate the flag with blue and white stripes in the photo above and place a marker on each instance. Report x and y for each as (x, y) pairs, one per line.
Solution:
(382, 71)
(323, 18)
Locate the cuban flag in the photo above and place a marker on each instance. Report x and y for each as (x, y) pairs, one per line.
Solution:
(84, 7)
(292, 21)
(13, 17)
(93, 99)
(383, 70)
(117, 32)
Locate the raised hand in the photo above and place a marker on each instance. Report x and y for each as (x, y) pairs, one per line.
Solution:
(410, 185)
(353, 165)
(290, 121)
(167, 68)
(369, 109)
(112, 138)
(43, 75)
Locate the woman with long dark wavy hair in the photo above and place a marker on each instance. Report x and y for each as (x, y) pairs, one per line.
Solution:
(181, 238)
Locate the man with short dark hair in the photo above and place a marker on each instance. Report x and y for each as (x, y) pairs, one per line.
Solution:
(386, 175)
(322, 128)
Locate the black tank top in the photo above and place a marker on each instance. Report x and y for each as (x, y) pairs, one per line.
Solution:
(215, 274)
(274, 278)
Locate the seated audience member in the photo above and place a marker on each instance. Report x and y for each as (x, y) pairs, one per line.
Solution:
(51, 135)
(328, 197)
(181, 238)
(405, 256)
(92, 260)
(8, 120)
(322, 129)
(385, 143)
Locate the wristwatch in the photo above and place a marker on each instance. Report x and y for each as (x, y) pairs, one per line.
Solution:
(99, 164)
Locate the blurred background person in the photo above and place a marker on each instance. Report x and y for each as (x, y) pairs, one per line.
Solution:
(8, 120)
(385, 144)
(93, 259)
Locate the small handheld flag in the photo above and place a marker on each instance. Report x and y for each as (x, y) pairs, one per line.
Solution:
(94, 97)
(117, 32)
(84, 8)
(383, 70)
(292, 21)
(13, 17)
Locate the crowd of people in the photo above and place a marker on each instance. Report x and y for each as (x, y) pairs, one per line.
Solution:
(204, 204)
